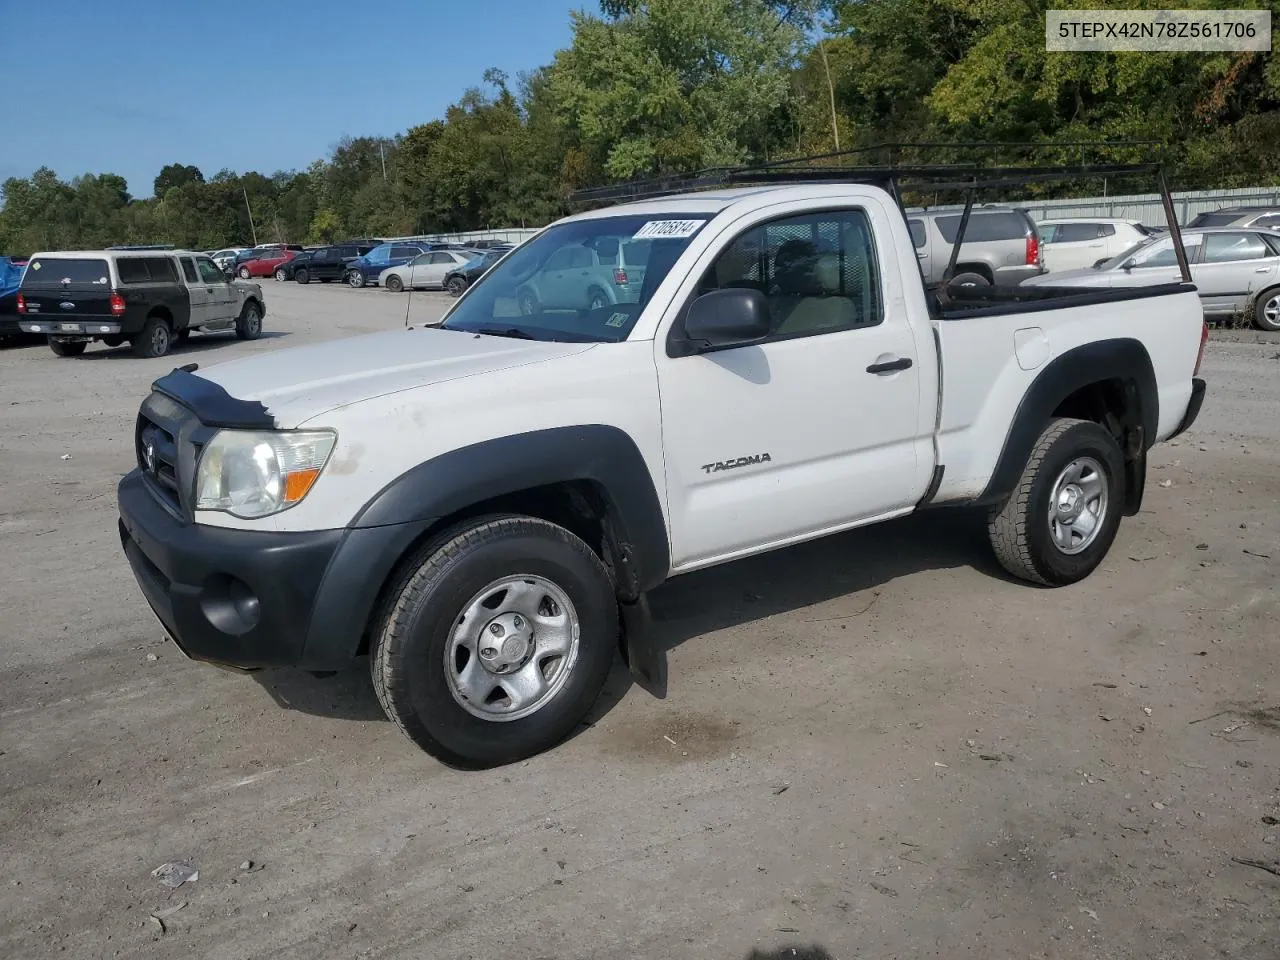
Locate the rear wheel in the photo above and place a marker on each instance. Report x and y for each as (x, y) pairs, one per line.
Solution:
(67, 348)
(596, 299)
(249, 323)
(243, 273)
(155, 339)
(281, 276)
(394, 283)
(496, 641)
(1266, 310)
(1061, 519)
(302, 276)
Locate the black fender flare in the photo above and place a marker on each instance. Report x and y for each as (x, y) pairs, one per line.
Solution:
(1122, 359)
(598, 454)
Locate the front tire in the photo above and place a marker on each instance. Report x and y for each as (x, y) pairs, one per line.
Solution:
(67, 348)
(281, 276)
(355, 279)
(496, 641)
(1061, 519)
(456, 286)
(249, 323)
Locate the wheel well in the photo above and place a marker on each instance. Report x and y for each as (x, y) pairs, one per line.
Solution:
(979, 268)
(1116, 405)
(163, 313)
(580, 506)
(255, 301)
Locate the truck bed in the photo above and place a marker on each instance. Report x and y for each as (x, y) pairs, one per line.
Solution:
(966, 302)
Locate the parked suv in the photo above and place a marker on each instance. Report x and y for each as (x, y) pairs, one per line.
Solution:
(1077, 242)
(1265, 217)
(1001, 246)
(609, 270)
(330, 263)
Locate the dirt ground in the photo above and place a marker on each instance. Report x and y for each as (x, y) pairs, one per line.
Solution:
(875, 746)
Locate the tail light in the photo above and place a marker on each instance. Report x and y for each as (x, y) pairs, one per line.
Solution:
(1204, 340)
(1033, 251)
(620, 277)
(22, 304)
(117, 304)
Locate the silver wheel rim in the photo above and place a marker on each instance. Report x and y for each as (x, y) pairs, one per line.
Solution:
(280, 276)
(355, 279)
(1078, 505)
(244, 274)
(597, 302)
(393, 284)
(252, 322)
(512, 649)
(527, 305)
(1271, 312)
(160, 339)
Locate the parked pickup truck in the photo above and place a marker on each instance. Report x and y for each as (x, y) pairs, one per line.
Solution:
(148, 300)
(483, 506)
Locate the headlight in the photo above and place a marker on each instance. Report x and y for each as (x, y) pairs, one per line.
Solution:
(254, 474)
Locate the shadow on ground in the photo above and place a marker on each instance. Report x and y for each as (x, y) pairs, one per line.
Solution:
(717, 599)
(198, 344)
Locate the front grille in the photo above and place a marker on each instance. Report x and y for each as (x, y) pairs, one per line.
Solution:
(166, 451)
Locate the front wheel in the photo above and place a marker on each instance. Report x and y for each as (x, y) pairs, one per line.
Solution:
(281, 276)
(496, 641)
(1266, 311)
(356, 279)
(394, 283)
(456, 286)
(1061, 519)
(249, 323)
(67, 348)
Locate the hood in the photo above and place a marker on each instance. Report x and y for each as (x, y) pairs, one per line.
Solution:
(300, 383)
(1055, 278)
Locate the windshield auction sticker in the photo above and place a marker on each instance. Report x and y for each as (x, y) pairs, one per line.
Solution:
(1153, 30)
(669, 229)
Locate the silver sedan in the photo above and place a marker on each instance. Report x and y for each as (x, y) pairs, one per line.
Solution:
(1234, 271)
(426, 271)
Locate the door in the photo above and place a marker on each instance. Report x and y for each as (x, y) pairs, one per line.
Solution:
(437, 265)
(202, 300)
(808, 431)
(920, 239)
(221, 294)
(1235, 267)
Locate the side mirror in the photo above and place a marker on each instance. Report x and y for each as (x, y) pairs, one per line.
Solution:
(727, 318)
(1127, 266)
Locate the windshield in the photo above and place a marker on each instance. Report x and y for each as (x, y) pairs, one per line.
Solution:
(568, 283)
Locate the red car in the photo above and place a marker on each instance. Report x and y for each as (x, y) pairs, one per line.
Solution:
(265, 265)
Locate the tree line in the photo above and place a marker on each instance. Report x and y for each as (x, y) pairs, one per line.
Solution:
(654, 87)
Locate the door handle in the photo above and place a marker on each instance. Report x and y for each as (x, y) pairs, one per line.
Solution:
(890, 366)
(1262, 270)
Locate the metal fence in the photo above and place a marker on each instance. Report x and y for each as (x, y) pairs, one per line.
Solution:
(515, 235)
(1145, 207)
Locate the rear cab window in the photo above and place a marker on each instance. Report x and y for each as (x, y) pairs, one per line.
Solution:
(146, 270)
(67, 271)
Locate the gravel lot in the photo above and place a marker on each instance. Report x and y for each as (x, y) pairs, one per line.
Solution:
(874, 746)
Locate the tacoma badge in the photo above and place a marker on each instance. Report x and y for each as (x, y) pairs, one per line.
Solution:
(752, 460)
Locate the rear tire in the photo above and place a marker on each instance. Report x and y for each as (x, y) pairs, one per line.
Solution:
(67, 348)
(243, 273)
(395, 284)
(1061, 519)
(249, 323)
(154, 341)
(302, 276)
(435, 672)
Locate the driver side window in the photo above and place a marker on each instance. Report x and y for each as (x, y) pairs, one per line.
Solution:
(818, 271)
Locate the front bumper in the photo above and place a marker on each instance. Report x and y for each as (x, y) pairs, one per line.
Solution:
(248, 598)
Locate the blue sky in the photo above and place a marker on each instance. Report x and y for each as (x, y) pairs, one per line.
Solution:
(129, 86)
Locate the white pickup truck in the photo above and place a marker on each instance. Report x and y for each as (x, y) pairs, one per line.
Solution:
(482, 506)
